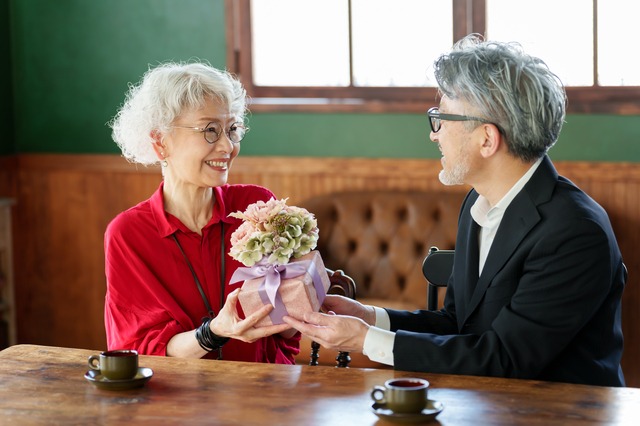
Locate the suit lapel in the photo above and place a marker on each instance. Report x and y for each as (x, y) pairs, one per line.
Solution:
(470, 267)
(465, 268)
(520, 217)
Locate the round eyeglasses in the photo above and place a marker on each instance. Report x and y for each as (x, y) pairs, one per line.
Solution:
(213, 131)
(436, 117)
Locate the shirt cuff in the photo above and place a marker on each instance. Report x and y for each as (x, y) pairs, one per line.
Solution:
(382, 319)
(378, 345)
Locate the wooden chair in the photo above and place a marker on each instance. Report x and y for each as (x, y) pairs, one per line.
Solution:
(436, 268)
(380, 238)
(342, 285)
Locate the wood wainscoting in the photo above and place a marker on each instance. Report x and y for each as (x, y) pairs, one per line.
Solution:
(64, 203)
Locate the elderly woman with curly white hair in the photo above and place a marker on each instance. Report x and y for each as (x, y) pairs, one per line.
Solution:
(166, 264)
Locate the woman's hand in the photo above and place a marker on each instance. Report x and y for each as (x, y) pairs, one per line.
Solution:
(229, 324)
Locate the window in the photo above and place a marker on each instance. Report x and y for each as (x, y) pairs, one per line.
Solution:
(377, 55)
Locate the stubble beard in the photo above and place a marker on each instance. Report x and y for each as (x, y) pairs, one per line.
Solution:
(456, 175)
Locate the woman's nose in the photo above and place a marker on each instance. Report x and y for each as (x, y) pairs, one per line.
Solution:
(224, 143)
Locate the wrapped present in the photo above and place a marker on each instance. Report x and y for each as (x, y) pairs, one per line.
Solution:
(293, 289)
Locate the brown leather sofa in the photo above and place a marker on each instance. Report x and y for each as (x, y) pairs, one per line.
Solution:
(380, 239)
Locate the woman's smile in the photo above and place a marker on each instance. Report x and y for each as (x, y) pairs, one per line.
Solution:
(223, 165)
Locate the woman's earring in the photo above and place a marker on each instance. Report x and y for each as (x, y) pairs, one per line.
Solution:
(164, 163)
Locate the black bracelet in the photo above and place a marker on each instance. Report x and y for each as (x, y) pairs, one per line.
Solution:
(207, 339)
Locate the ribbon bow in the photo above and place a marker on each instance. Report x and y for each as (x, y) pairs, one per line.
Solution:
(273, 276)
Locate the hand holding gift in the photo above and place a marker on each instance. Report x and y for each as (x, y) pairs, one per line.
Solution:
(276, 243)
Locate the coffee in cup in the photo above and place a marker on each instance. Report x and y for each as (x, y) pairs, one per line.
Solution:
(120, 364)
(402, 395)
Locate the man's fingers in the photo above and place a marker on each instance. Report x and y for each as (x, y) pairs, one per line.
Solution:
(316, 318)
(313, 331)
(294, 322)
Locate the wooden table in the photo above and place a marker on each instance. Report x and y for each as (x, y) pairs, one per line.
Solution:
(46, 385)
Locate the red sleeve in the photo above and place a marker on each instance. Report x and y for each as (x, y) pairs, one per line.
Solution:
(139, 311)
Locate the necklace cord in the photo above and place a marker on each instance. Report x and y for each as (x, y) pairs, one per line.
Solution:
(208, 319)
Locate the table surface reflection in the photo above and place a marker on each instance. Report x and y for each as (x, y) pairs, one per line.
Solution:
(46, 385)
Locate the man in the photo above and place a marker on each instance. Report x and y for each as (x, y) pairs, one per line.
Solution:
(538, 276)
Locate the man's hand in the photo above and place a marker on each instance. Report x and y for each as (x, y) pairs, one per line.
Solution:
(344, 306)
(339, 332)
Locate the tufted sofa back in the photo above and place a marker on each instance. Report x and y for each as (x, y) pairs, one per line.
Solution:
(380, 239)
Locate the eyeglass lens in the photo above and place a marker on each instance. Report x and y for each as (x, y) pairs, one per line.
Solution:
(435, 124)
(434, 121)
(213, 131)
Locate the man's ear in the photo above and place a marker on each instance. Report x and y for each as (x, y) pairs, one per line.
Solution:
(158, 144)
(492, 140)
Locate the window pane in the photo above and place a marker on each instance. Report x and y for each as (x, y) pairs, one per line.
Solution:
(396, 42)
(618, 65)
(560, 32)
(300, 42)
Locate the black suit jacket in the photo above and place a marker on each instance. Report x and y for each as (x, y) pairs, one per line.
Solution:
(547, 305)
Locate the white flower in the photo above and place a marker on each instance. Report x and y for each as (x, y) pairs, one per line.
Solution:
(273, 230)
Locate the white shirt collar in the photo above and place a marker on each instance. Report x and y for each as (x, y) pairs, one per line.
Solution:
(482, 212)
(489, 218)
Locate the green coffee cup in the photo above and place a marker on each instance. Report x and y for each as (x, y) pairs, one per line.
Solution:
(120, 364)
(402, 395)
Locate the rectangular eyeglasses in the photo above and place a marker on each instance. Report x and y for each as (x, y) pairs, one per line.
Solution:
(436, 117)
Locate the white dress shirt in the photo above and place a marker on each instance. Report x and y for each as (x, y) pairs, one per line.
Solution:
(378, 342)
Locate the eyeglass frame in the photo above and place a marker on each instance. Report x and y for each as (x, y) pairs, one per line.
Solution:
(434, 113)
(203, 130)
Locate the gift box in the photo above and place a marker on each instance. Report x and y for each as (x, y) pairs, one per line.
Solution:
(293, 289)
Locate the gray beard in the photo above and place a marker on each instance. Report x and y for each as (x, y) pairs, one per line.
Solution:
(455, 176)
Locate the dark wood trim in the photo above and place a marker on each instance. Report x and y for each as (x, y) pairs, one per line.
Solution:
(8, 175)
(478, 17)
(243, 33)
(305, 166)
(461, 25)
(82, 162)
(585, 100)
(231, 18)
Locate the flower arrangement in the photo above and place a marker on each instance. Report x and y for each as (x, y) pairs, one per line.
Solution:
(275, 231)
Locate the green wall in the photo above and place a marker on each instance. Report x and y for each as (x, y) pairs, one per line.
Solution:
(72, 61)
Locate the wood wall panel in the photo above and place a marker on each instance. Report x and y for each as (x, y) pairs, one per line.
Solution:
(8, 167)
(66, 201)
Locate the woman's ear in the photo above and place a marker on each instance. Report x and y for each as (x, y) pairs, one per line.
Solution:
(158, 144)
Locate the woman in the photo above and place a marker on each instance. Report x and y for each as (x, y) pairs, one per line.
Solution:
(166, 264)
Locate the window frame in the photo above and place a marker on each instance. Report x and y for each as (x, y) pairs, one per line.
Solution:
(468, 17)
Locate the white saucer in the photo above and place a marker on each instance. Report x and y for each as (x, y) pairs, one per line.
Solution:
(432, 409)
(142, 376)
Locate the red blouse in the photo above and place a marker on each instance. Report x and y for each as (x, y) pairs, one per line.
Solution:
(151, 293)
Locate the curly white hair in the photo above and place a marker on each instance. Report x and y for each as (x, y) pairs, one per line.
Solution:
(163, 94)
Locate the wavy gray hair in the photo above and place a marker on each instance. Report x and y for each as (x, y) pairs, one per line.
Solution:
(164, 93)
(508, 87)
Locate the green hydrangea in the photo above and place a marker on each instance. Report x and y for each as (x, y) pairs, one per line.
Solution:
(274, 231)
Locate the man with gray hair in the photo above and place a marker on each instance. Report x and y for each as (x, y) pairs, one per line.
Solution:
(538, 277)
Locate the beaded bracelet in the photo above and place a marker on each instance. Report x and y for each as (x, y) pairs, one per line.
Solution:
(207, 339)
